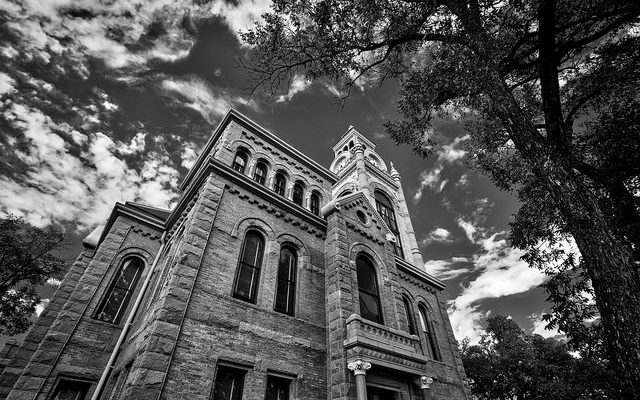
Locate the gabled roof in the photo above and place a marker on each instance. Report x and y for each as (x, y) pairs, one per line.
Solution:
(157, 212)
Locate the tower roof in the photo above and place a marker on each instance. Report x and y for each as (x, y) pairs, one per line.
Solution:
(351, 133)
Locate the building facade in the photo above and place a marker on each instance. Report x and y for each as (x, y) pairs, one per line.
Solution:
(273, 278)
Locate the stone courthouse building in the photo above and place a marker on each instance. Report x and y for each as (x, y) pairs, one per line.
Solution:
(273, 278)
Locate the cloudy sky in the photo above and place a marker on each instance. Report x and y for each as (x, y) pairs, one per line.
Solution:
(105, 101)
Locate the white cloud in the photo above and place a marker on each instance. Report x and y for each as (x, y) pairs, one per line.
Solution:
(440, 235)
(201, 97)
(298, 84)
(539, 327)
(6, 84)
(137, 144)
(189, 155)
(501, 273)
(60, 187)
(448, 269)
(242, 15)
(450, 153)
(428, 179)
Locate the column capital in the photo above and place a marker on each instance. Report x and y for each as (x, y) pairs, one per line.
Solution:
(424, 382)
(359, 367)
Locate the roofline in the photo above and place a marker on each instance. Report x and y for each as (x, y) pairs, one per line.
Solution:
(235, 115)
(121, 209)
(352, 128)
(418, 273)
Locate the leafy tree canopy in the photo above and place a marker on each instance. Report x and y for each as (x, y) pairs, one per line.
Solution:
(509, 364)
(25, 262)
(548, 91)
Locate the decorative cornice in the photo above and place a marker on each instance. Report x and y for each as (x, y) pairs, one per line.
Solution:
(276, 212)
(282, 157)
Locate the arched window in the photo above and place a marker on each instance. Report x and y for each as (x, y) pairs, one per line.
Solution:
(314, 203)
(119, 294)
(246, 284)
(286, 288)
(429, 335)
(368, 290)
(240, 161)
(297, 194)
(279, 183)
(260, 172)
(385, 209)
(345, 193)
(409, 313)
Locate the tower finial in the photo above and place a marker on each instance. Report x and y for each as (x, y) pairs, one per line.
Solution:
(394, 172)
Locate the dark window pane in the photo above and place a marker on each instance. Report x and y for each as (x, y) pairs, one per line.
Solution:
(119, 294)
(385, 209)
(240, 162)
(229, 384)
(279, 184)
(314, 204)
(260, 173)
(249, 267)
(366, 276)
(297, 194)
(277, 388)
(252, 250)
(71, 390)
(407, 310)
(285, 290)
(368, 290)
(369, 307)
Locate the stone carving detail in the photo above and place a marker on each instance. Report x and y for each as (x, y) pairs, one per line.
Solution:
(425, 382)
(359, 367)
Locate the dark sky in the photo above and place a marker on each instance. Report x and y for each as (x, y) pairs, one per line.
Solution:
(111, 101)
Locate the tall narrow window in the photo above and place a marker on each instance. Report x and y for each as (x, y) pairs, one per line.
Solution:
(385, 209)
(297, 193)
(286, 288)
(277, 388)
(279, 183)
(229, 383)
(70, 389)
(246, 284)
(409, 314)
(240, 161)
(260, 173)
(119, 294)
(314, 203)
(368, 290)
(429, 336)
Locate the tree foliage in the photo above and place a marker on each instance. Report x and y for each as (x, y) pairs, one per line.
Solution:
(548, 91)
(25, 262)
(511, 365)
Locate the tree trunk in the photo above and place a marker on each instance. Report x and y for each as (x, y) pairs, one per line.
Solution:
(606, 254)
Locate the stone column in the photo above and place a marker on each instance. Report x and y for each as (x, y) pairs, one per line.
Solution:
(363, 179)
(405, 225)
(359, 369)
(425, 387)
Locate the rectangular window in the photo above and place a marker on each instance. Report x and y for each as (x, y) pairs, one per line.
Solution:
(71, 389)
(277, 388)
(229, 383)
